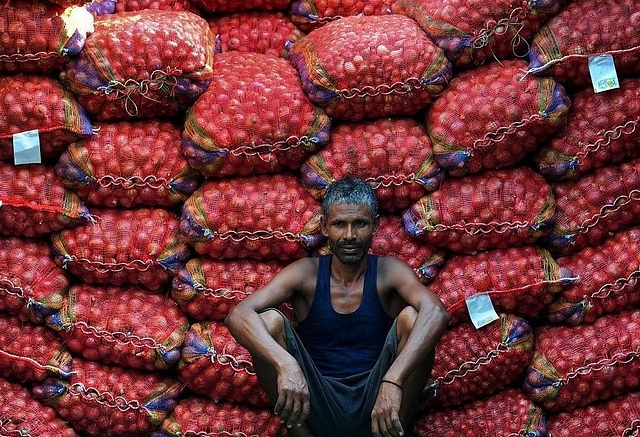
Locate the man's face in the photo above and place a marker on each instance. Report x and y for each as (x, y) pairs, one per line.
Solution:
(349, 228)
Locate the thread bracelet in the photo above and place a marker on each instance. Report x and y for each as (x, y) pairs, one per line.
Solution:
(392, 383)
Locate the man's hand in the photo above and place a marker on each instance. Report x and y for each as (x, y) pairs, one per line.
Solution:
(293, 397)
(385, 418)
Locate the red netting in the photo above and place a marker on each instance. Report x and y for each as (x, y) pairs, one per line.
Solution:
(222, 6)
(257, 31)
(19, 411)
(592, 208)
(31, 285)
(161, 5)
(140, 246)
(30, 352)
(208, 289)
(40, 103)
(492, 116)
(261, 217)
(100, 400)
(474, 363)
(195, 416)
(121, 325)
(128, 164)
(393, 155)
(263, 121)
(576, 366)
(213, 364)
(354, 71)
(601, 129)
(617, 417)
(310, 14)
(506, 413)
(492, 209)
(519, 280)
(472, 32)
(583, 29)
(33, 202)
(142, 64)
(392, 240)
(606, 280)
(40, 37)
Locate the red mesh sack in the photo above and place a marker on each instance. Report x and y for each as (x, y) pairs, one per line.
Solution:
(140, 247)
(261, 217)
(474, 363)
(619, 416)
(583, 29)
(208, 289)
(519, 280)
(506, 413)
(107, 401)
(161, 5)
(268, 32)
(34, 202)
(472, 32)
(231, 6)
(354, 71)
(194, 416)
(576, 366)
(129, 164)
(213, 364)
(40, 37)
(254, 118)
(391, 240)
(121, 325)
(30, 352)
(601, 129)
(311, 14)
(142, 64)
(592, 208)
(22, 415)
(39, 103)
(489, 210)
(606, 280)
(31, 284)
(491, 117)
(393, 155)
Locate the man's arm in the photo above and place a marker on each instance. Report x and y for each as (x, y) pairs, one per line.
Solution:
(248, 328)
(430, 322)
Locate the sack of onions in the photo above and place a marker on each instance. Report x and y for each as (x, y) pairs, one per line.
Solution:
(142, 64)
(214, 365)
(393, 155)
(130, 164)
(32, 286)
(127, 326)
(354, 71)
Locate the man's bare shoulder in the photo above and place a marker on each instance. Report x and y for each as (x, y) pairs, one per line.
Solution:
(300, 273)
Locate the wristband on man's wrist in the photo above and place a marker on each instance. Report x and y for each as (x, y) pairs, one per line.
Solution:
(392, 383)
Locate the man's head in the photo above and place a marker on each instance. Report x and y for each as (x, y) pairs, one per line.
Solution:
(350, 218)
(349, 189)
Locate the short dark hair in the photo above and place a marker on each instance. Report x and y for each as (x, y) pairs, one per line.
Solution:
(349, 189)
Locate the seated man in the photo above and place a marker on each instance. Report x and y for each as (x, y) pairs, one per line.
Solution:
(366, 329)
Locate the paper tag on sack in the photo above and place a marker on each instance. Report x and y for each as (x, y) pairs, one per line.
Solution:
(603, 73)
(26, 148)
(481, 310)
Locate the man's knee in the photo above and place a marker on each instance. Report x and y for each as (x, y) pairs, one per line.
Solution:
(274, 321)
(406, 320)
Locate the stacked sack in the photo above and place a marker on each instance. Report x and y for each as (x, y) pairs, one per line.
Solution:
(164, 159)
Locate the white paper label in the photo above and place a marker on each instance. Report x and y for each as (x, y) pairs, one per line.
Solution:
(603, 73)
(26, 148)
(481, 310)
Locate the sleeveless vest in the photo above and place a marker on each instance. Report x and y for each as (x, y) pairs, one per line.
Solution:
(345, 344)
